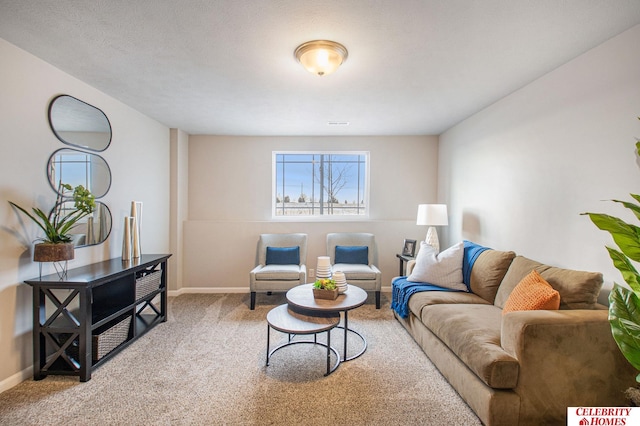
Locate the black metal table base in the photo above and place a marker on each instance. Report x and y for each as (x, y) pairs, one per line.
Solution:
(346, 329)
(291, 342)
(345, 358)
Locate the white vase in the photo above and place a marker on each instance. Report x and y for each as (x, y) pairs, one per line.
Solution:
(136, 215)
(126, 239)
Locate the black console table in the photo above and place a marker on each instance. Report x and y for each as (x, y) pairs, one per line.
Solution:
(94, 312)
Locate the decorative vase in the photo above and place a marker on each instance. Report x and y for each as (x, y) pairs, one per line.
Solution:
(325, 294)
(136, 214)
(49, 252)
(323, 268)
(126, 239)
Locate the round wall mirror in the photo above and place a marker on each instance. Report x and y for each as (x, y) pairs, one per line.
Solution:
(77, 123)
(92, 229)
(75, 168)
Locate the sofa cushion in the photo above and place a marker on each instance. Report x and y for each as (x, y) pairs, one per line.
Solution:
(532, 293)
(472, 332)
(488, 271)
(283, 255)
(578, 289)
(355, 271)
(442, 269)
(420, 300)
(278, 273)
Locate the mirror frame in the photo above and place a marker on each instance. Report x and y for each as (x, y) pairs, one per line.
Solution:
(107, 211)
(98, 110)
(54, 185)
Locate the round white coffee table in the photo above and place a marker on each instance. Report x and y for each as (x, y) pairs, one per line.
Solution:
(301, 299)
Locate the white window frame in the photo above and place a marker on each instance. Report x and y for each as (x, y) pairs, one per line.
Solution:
(324, 217)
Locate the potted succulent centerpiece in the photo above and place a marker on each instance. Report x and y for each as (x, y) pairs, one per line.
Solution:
(624, 303)
(325, 288)
(57, 245)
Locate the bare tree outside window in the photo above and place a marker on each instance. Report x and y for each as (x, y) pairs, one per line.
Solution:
(313, 184)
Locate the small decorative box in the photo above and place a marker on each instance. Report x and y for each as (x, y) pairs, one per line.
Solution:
(325, 294)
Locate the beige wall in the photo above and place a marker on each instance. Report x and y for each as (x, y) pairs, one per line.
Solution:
(518, 174)
(139, 161)
(230, 202)
(179, 204)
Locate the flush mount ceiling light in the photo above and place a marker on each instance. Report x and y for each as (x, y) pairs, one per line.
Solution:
(321, 57)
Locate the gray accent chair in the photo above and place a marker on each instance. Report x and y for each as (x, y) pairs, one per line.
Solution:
(275, 277)
(366, 276)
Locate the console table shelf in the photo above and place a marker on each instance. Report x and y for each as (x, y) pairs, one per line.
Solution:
(86, 318)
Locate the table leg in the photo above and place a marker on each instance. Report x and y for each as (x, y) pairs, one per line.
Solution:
(329, 352)
(346, 331)
(268, 335)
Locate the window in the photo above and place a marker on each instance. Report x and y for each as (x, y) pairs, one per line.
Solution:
(320, 183)
(71, 167)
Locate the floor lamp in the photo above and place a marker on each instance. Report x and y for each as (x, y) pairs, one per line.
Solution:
(432, 215)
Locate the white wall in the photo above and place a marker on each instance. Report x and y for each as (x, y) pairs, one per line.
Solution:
(230, 202)
(139, 161)
(517, 175)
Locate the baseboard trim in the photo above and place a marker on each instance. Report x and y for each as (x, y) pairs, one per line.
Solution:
(213, 290)
(207, 290)
(16, 379)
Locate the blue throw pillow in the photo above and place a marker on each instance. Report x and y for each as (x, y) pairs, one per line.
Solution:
(352, 254)
(283, 255)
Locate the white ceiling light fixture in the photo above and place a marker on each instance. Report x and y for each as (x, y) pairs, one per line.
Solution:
(321, 57)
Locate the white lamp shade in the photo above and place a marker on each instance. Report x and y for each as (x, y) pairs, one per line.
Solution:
(432, 215)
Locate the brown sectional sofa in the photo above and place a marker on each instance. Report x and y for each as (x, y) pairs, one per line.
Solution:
(524, 367)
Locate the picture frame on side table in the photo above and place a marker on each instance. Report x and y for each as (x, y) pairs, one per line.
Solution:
(409, 248)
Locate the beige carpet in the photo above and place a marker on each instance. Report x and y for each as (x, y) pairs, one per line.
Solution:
(206, 366)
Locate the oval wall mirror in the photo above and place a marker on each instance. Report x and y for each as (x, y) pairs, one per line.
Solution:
(79, 168)
(92, 229)
(77, 123)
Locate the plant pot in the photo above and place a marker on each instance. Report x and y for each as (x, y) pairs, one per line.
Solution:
(633, 395)
(325, 294)
(48, 252)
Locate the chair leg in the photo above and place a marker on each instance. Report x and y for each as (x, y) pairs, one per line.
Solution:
(253, 300)
(377, 300)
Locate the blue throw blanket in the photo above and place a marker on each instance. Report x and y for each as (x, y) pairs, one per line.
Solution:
(471, 253)
(403, 289)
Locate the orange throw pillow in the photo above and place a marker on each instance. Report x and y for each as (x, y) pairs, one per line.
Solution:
(532, 293)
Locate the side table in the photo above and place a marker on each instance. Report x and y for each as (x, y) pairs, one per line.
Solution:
(403, 258)
(285, 320)
(301, 297)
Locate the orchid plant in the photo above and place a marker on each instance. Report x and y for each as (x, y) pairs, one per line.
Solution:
(58, 223)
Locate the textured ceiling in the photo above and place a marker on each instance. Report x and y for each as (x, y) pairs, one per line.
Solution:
(226, 67)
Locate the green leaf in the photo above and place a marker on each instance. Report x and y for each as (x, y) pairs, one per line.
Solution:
(624, 317)
(625, 235)
(626, 268)
(54, 225)
(633, 207)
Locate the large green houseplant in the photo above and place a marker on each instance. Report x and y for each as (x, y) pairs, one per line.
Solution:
(624, 303)
(57, 225)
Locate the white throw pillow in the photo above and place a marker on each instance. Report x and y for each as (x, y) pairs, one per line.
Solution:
(443, 270)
